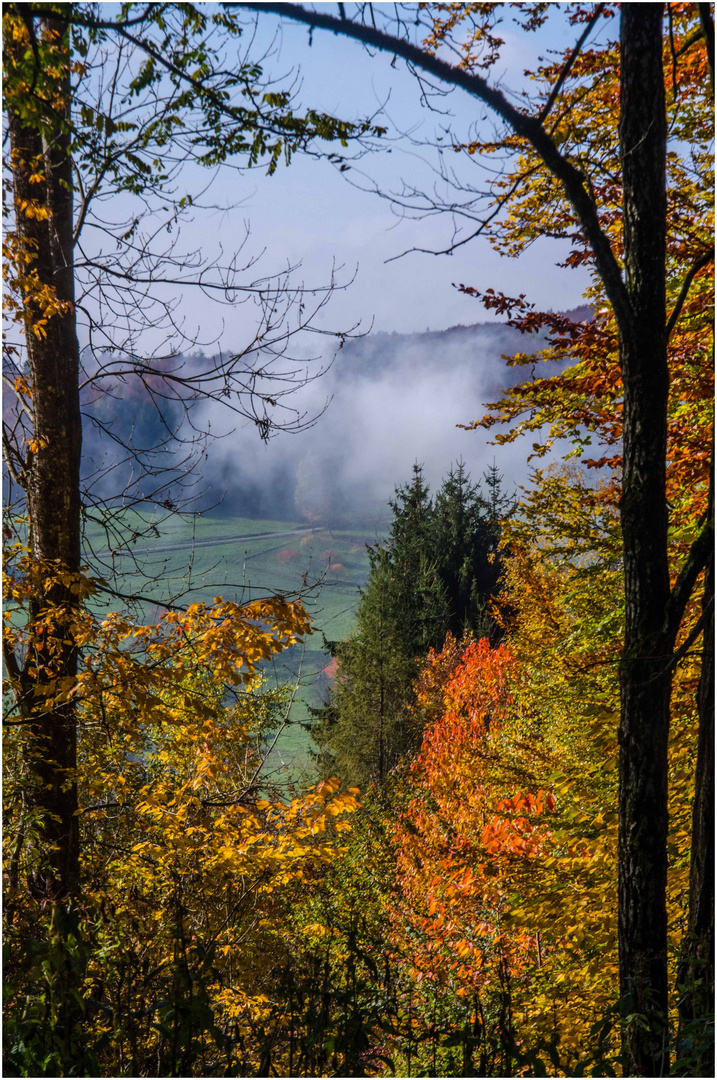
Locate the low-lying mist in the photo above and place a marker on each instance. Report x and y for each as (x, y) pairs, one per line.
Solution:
(393, 399)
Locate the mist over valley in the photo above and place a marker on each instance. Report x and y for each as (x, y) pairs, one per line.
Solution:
(385, 402)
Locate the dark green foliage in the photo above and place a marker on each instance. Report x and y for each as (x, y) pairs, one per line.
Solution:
(339, 997)
(44, 970)
(466, 533)
(434, 574)
(409, 565)
(367, 725)
(81, 1000)
(443, 556)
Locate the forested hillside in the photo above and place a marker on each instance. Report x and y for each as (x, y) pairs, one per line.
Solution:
(503, 864)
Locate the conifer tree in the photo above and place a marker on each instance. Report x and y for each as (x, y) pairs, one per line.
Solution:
(466, 531)
(367, 725)
(420, 606)
(434, 574)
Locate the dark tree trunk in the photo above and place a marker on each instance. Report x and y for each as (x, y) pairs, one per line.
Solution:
(696, 974)
(42, 178)
(645, 672)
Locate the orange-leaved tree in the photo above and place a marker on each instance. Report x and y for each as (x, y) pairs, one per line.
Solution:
(470, 829)
(506, 850)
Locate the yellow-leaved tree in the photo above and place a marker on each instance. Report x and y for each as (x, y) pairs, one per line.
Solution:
(159, 960)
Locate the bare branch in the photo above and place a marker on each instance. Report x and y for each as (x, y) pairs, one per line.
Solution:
(569, 63)
(525, 126)
(704, 260)
(692, 567)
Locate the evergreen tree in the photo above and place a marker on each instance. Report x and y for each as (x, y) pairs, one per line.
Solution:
(418, 601)
(466, 537)
(367, 726)
(434, 573)
(461, 542)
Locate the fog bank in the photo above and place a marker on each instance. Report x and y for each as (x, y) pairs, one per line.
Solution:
(393, 399)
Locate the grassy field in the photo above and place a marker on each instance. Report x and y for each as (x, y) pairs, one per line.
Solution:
(241, 558)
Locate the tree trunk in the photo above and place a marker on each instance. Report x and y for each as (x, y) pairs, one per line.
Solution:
(42, 179)
(696, 974)
(645, 672)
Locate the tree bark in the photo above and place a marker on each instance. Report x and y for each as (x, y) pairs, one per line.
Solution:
(645, 671)
(42, 182)
(696, 975)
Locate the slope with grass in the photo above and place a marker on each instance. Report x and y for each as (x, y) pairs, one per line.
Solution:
(242, 558)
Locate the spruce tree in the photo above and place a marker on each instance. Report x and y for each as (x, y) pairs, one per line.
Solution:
(367, 726)
(434, 573)
(417, 593)
(466, 537)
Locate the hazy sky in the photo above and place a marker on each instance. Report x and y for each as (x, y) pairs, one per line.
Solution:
(309, 213)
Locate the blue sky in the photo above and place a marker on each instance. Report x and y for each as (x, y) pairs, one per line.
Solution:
(308, 213)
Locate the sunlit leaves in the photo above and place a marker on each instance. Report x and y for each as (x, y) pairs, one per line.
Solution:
(183, 835)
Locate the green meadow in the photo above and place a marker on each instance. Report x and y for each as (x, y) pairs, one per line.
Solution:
(244, 558)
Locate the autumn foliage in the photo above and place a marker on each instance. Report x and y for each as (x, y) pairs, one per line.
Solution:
(214, 915)
(181, 837)
(461, 834)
